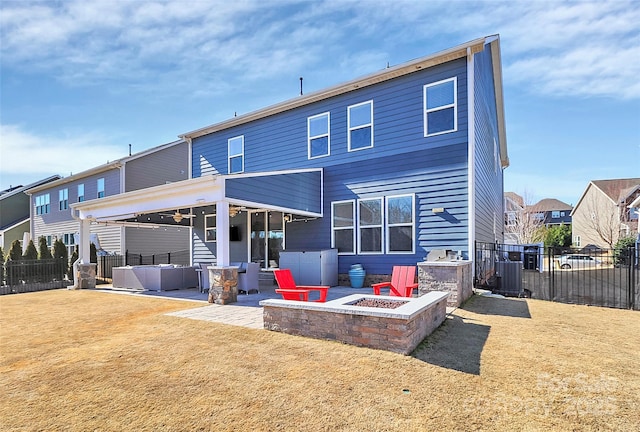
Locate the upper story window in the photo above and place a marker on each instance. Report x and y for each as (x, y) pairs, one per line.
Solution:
(63, 199)
(555, 214)
(101, 188)
(343, 231)
(236, 154)
(400, 224)
(360, 120)
(43, 204)
(538, 216)
(440, 107)
(81, 192)
(318, 135)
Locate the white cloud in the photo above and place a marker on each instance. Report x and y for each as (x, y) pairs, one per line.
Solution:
(25, 154)
(583, 48)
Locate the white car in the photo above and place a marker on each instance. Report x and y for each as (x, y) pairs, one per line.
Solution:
(578, 261)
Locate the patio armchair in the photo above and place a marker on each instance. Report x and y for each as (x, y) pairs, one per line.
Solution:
(402, 282)
(248, 280)
(290, 291)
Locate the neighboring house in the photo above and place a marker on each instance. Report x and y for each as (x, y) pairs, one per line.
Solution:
(604, 213)
(551, 211)
(51, 203)
(513, 211)
(384, 168)
(14, 213)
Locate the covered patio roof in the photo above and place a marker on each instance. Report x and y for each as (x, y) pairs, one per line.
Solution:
(299, 192)
(293, 191)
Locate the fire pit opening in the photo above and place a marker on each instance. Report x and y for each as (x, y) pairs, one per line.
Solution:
(378, 303)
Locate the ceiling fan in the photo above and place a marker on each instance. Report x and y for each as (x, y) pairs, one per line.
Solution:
(177, 216)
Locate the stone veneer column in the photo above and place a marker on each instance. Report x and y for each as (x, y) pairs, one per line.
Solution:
(449, 276)
(86, 275)
(223, 284)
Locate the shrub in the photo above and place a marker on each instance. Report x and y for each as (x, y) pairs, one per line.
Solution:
(15, 252)
(622, 250)
(31, 253)
(43, 249)
(1, 266)
(61, 256)
(74, 258)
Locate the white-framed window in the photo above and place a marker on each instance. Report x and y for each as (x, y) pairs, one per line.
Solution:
(68, 239)
(81, 192)
(555, 214)
(100, 184)
(43, 204)
(318, 135)
(370, 223)
(511, 218)
(577, 241)
(236, 154)
(538, 216)
(400, 216)
(210, 231)
(360, 121)
(441, 107)
(63, 199)
(343, 232)
(49, 240)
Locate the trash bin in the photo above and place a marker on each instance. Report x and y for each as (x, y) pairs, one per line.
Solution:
(356, 275)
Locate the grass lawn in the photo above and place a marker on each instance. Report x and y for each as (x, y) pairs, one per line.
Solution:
(86, 360)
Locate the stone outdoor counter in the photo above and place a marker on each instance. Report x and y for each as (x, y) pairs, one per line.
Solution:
(448, 276)
(399, 330)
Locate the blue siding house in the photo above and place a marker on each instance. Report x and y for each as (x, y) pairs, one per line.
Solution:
(384, 168)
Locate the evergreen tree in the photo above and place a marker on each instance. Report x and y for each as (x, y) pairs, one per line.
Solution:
(43, 249)
(1, 266)
(12, 265)
(61, 255)
(74, 258)
(31, 253)
(15, 252)
(93, 254)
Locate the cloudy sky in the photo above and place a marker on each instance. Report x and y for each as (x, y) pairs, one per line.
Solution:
(81, 80)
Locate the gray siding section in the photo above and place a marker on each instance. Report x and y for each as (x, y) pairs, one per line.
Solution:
(111, 186)
(167, 165)
(13, 209)
(301, 191)
(489, 219)
(165, 239)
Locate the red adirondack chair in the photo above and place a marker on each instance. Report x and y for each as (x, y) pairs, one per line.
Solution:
(290, 291)
(402, 282)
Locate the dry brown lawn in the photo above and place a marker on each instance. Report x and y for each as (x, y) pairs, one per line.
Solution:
(86, 360)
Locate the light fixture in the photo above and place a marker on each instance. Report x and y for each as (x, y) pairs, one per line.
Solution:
(438, 210)
(177, 217)
(233, 211)
(287, 218)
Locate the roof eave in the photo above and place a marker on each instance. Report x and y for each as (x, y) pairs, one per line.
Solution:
(460, 51)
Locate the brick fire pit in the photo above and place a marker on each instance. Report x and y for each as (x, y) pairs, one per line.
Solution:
(399, 330)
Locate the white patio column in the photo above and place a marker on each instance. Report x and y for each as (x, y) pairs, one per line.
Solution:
(222, 233)
(84, 250)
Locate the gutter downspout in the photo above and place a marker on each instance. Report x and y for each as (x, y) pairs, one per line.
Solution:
(471, 160)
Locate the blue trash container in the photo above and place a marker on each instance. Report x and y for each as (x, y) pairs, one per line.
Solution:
(356, 275)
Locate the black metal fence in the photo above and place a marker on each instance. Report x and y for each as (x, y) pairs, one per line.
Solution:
(609, 278)
(33, 275)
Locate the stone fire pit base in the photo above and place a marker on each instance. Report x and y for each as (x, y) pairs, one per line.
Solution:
(399, 330)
